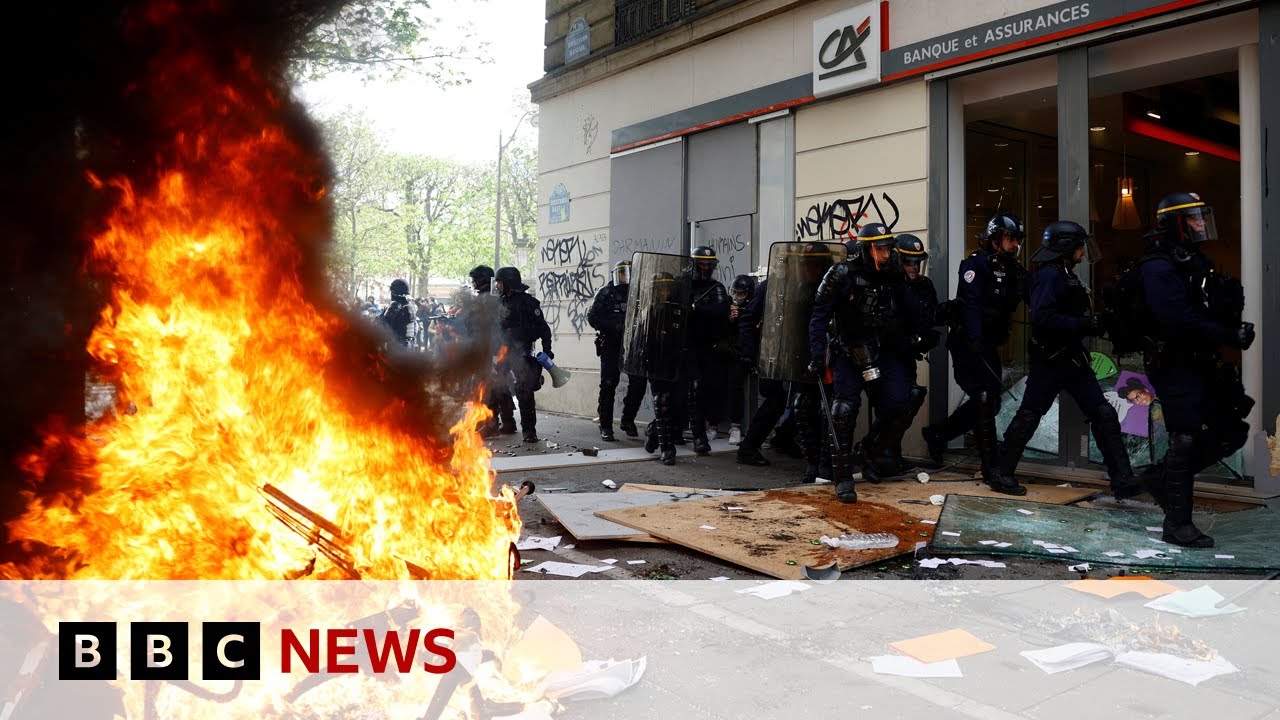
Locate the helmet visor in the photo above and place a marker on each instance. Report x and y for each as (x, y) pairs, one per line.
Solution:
(1196, 225)
(622, 275)
(915, 266)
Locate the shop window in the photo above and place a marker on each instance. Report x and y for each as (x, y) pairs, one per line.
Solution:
(635, 19)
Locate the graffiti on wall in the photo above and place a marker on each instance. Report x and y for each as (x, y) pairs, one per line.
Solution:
(623, 249)
(570, 272)
(731, 250)
(841, 219)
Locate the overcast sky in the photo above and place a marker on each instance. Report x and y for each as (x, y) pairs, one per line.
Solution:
(460, 122)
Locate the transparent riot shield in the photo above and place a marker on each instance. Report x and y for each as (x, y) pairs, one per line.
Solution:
(795, 271)
(658, 306)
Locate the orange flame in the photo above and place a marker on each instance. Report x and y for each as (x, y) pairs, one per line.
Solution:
(227, 369)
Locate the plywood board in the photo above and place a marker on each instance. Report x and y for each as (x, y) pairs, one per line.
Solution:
(554, 460)
(891, 493)
(642, 487)
(575, 511)
(775, 530)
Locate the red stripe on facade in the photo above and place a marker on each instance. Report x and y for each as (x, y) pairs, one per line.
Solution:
(1177, 137)
(884, 26)
(1032, 42)
(714, 123)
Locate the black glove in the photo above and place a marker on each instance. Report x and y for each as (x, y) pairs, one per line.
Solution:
(817, 367)
(550, 355)
(1245, 335)
(1093, 325)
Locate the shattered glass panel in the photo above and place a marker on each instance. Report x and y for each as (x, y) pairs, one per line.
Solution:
(1247, 540)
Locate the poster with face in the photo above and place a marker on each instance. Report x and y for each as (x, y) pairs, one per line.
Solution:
(1132, 397)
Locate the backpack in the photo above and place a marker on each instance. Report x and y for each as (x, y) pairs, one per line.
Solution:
(1125, 316)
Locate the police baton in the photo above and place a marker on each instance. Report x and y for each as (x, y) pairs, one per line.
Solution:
(836, 458)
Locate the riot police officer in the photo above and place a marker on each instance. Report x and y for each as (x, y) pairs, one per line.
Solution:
(1186, 331)
(707, 323)
(656, 349)
(919, 317)
(991, 284)
(498, 396)
(522, 323)
(859, 299)
(1062, 320)
(397, 316)
(607, 315)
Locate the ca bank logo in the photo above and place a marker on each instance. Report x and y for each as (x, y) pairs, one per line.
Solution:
(847, 49)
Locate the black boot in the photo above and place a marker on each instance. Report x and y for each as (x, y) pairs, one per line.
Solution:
(651, 437)
(988, 450)
(751, 456)
(936, 445)
(698, 420)
(1152, 480)
(843, 417)
(1179, 491)
(1106, 432)
(1016, 437)
(665, 431)
(605, 409)
(628, 426)
(606, 433)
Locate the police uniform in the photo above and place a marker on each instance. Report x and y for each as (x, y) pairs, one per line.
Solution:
(521, 324)
(860, 298)
(1062, 320)
(1182, 361)
(607, 315)
(991, 284)
(707, 322)
(397, 316)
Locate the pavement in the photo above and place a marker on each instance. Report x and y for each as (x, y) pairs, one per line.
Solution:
(563, 438)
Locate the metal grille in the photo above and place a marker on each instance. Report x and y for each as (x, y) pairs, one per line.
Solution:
(635, 19)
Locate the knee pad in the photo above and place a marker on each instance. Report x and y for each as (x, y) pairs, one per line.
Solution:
(915, 399)
(842, 411)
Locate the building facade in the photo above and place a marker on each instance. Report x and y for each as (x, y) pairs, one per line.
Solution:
(667, 124)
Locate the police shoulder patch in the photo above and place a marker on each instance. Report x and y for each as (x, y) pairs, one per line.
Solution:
(969, 275)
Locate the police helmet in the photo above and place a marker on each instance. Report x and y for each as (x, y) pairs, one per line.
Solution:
(742, 288)
(1184, 219)
(1004, 224)
(621, 272)
(878, 235)
(911, 250)
(704, 262)
(510, 278)
(1061, 238)
(399, 288)
(481, 274)
(663, 284)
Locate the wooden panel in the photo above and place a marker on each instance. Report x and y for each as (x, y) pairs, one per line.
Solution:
(775, 531)
(575, 511)
(892, 493)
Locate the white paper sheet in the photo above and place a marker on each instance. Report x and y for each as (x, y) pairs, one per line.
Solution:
(1191, 672)
(594, 680)
(1113, 553)
(1198, 603)
(564, 569)
(774, 590)
(722, 578)
(706, 527)
(911, 667)
(635, 562)
(1024, 511)
(538, 543)
(1067, 657)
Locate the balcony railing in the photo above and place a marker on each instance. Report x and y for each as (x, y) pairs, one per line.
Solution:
(635, 19)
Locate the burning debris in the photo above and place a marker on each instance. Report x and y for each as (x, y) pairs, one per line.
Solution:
(240, 393)
(1111, 628)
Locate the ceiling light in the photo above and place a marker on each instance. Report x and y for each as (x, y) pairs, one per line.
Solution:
(993, 189)
(1098, 128)
(1046, 197)
(1192, 153)
(1007, 177)
(1153, 114)
(1004, 144)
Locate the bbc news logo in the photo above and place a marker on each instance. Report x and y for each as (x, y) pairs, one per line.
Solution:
(233, 651)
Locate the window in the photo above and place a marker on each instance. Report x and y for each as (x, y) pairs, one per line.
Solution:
(635, 19)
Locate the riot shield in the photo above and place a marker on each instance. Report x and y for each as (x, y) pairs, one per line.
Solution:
(795, 271)
(657, 321)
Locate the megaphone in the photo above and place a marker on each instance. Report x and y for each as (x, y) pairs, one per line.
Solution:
(559, 376)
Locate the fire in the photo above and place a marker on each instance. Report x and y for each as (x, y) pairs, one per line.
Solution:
(231, 378)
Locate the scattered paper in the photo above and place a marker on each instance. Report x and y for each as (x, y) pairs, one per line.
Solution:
(910, 667)
(1069, 549)
(734, 508)
(1225, 557)
(1155, 529)
(635, 562)
(570, 547)
(1199, 603)
(610, 484)
(934, 563)
(1067, 657)
(1004, 545)
(988, 542)
(1082, 567)
(1113, 553)
(949, 533)
(774, 590)
(1112, 587)
(1145, 554)
(928, 522)
(722, 578)
(564, 569)
(706, 527)
(594, 680)
(937, 499)
(923, 477)
(1174, 550)
(921, 545)
(538, 543)
(610, 561)
(1056, 550)
(1191, 672)
(941, 646)
(1025, 511)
